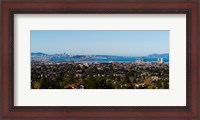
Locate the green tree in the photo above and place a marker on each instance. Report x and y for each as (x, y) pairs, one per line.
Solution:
(165, 84)
(158, 84)
(44, 83)
(126, 78)
(91, 82)
(69, 78)
(37, 85)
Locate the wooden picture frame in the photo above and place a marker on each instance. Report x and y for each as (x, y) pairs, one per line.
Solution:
(11, 7)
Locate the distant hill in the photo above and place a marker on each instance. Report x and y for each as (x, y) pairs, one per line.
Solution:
(38, 54)
(165, 55)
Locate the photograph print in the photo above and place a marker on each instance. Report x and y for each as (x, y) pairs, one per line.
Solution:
(99, 59)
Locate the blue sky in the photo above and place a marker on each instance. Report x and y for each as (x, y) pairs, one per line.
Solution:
(100, 42)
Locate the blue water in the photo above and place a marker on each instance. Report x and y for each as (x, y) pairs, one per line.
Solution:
(127, 60)
(114, 59)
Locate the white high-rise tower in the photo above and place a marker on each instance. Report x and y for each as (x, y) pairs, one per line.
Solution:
(160, 60)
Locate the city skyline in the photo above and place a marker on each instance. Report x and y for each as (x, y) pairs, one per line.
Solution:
(100, 42)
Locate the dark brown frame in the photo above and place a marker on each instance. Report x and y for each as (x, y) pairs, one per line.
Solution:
(11, 7)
